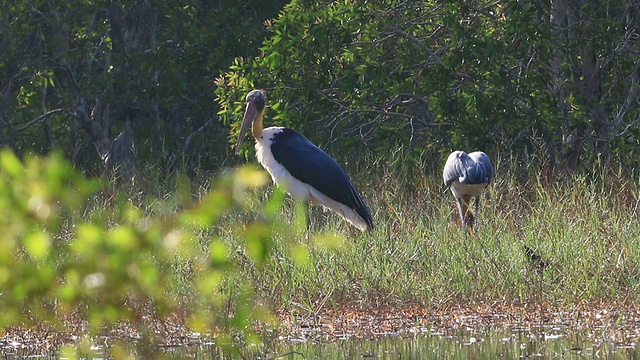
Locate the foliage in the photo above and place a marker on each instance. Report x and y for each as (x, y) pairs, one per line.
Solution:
(554, 80)
(226, 258)
(72, 74)
(73, 249)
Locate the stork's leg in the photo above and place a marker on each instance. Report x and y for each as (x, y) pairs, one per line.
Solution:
(462, 209)
(467, 216)
(477, 214)
(308, 215)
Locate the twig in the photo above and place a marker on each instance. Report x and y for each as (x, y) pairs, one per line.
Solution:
(38, 119)
(628, 127)
(631, 96)
(420, 43)
(199, 130)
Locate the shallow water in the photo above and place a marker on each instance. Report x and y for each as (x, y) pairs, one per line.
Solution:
(545, 342)
(552, 342)
(506, 342)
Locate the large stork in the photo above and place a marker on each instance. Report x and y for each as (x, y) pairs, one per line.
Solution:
(305, 171)
(467, 175)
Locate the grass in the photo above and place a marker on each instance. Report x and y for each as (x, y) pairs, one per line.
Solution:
(222, 250)
(585, 229)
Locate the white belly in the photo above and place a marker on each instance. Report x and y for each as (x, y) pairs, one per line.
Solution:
(459, 189)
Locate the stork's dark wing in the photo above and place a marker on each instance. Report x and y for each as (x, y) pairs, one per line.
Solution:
(473, 168)
(309, 164)
(480, 170)
(453, 168)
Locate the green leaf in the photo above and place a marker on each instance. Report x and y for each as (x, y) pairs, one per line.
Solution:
(11, 164)
(37, 244)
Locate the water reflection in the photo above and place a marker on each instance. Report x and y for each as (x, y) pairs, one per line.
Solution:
(544, 342)
(478, 343)
(547, 342)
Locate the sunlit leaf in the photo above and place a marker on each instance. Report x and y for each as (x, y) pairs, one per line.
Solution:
(37, 244)
(300, 254)
(11, 164)
(218, 253)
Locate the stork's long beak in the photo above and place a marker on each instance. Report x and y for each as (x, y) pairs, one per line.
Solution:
(249, 115)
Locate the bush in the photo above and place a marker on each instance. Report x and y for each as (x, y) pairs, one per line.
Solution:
(70, 248)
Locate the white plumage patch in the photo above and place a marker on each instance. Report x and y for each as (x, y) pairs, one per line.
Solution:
(297, 189)
(459, 189)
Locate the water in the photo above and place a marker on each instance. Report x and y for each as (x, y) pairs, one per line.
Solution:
(479, 342)
(514, 343)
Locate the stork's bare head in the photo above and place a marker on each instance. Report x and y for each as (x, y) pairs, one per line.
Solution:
(255, 104)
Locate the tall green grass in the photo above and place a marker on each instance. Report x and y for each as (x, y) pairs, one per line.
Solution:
(225, 249)
(585, 227)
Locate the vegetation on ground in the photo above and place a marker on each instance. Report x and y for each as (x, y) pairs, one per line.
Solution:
(231, 256)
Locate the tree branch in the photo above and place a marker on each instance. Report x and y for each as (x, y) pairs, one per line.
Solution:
(38, 119)
(631, 96)
(628, 127)
(417, 41)
(187, 143)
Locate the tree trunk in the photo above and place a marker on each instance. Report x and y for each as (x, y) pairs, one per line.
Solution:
(118, 156)
(120, 160)
(578, 75)
(592, 89)
(571, 138)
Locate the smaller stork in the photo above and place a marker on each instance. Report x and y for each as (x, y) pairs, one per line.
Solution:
(305, 171)
(467, 175)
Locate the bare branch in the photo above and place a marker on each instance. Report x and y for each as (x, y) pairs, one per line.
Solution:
(417, 41)
(187, 143)
(38, 119)
(372, 42)
(628, 127)
(631, 96)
